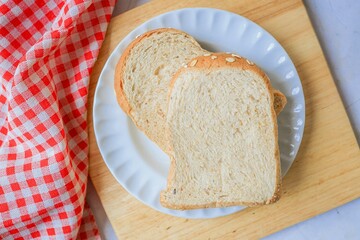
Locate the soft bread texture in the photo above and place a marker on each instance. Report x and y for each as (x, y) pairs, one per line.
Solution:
(143, 75)
(222, 132)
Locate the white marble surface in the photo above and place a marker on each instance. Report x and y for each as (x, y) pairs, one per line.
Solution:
(337, 24)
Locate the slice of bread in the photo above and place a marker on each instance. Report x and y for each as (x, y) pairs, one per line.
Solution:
(222, 130)
(143, 74)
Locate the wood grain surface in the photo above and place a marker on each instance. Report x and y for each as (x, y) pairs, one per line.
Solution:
(325, 174)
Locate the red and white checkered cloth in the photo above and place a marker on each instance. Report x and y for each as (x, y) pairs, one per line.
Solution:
(47, 51)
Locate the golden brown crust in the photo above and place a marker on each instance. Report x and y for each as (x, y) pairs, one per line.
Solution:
(280, 101)
(215, 204)
(220, 61)
(224, 60)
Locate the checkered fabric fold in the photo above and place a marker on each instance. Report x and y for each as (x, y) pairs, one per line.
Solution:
(47, 51)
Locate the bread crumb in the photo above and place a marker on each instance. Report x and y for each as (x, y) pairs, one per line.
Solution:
(213, 57)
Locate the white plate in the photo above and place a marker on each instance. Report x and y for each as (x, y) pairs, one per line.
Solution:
(136, 162)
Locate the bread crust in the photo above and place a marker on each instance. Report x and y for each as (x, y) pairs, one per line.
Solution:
(219, 61)
(281, 101)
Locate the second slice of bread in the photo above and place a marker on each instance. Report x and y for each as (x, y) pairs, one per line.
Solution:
(143, 75)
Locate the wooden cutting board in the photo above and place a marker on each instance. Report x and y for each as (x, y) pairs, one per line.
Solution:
(325, 174)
